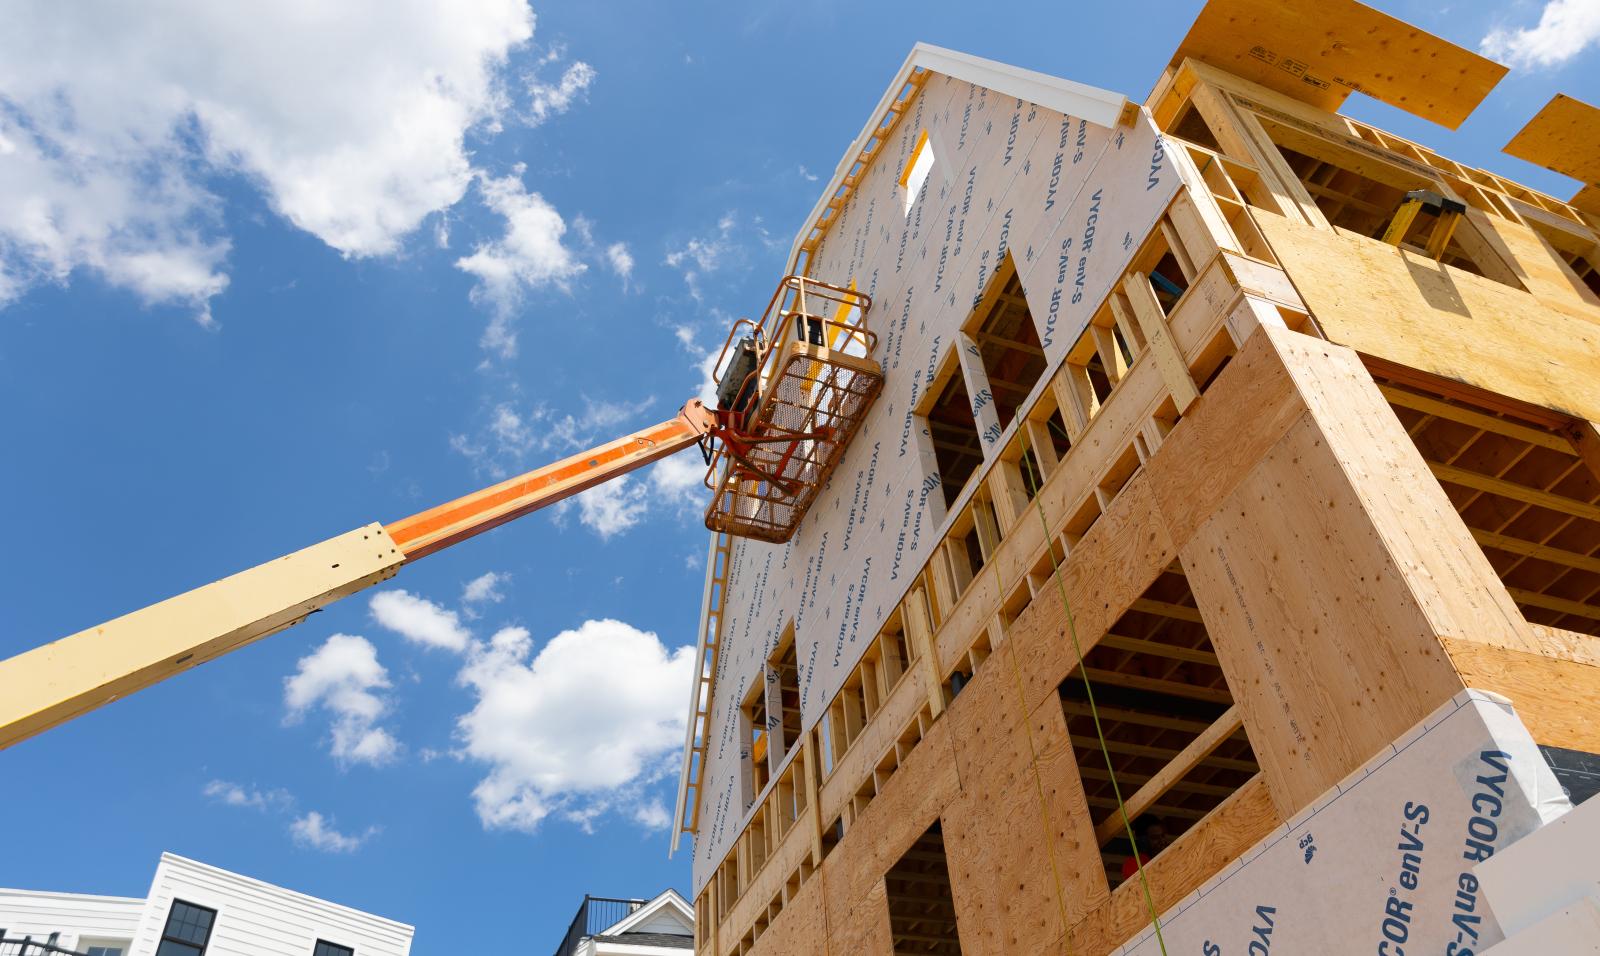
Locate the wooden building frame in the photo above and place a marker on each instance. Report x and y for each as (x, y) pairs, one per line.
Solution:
(1273, 427)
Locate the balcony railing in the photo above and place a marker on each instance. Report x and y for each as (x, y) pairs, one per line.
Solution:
(594, 914)
(33, 947)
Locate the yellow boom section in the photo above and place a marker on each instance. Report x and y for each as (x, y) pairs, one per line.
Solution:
(52, 684)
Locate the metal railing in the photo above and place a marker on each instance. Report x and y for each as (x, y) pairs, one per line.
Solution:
(594, 914)
(33, 947)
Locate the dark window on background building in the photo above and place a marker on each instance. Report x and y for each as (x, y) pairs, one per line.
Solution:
(325, 948)
(188, 930)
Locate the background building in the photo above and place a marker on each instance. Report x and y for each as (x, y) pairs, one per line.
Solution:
(195, 910)
(606, 926)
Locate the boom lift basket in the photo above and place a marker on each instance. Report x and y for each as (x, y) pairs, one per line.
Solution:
(792, 390)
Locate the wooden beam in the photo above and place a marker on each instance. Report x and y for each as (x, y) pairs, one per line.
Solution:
(1140, 646)
(1514, 491)
(1160, 753)
(1181, 612)
(1158, 340)
(1551, 603)
(1475, 419)
(1187, 759)
(1075, 708)
(1542, 552)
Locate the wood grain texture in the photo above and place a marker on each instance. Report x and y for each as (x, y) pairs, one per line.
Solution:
(1352, 48)
(1556, 693)
(1405, 308)
(1563, 136)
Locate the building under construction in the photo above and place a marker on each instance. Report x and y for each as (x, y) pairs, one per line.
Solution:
(1223, 500)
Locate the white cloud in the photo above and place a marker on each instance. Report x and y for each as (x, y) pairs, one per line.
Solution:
(485, 588)
(613, 507)
(594, 719)
(553, 99)
(704, 254)
(680, 480)
(652, 815)
(419, 620)
(234, 795)
(529, 255)
(118, 115)
(341, 677)
(620, 260)
(317, 832)
(1565, 29)
(807, 174)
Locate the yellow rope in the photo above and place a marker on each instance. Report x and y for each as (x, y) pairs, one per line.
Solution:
(1088, 689)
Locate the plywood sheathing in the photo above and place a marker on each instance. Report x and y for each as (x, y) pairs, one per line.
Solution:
(1564, 136)
(1320, 51)
(1413, 311)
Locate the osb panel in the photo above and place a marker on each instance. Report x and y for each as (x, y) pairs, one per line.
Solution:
(986, 723)
(1563, 136)
(862, 927)
(1108, 569)
(998, 845)
(1554, 695)
(1075, 854)
(1539, 267)
(1411, 310)
(1326, 650)
(1448, 576)
(902, 812)
(1350, 48)
(1239, 823)
(801, 929)
(1225, 433)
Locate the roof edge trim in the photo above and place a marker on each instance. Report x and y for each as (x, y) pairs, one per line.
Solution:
(1098, 106)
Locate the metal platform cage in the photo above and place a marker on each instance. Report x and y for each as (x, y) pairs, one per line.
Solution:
(813, 381)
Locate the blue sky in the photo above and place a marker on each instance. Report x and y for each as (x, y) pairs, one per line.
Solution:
(264, 279)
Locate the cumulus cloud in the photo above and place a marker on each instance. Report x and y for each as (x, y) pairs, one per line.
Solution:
(116, 116)
(613, 507)
(419, 620)
(318, 833)
(581, 729)
(343, 677)
(1565, 29)
(485, 588)
(620, 260)
(553, 99)
(528, 255)
(234, 795)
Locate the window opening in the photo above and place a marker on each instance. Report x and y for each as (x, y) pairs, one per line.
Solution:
(1526, 496)
(1365, 196)
(1193, 127)
(922, 912)
(325, 948)
(188, 930)
(1008, 341)
(915, 175)
(1177, 745)
(957, 447)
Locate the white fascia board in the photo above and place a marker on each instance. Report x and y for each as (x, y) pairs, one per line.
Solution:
(1101, 107)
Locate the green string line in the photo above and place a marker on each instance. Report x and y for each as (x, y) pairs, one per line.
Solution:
(1088, 689)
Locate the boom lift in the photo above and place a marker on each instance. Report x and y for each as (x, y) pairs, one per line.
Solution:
(786, 410)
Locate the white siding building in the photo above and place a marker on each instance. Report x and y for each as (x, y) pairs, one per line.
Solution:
(663, 926)
(195, 910)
